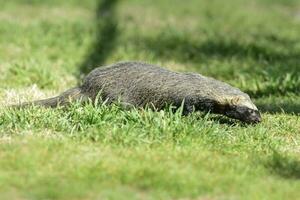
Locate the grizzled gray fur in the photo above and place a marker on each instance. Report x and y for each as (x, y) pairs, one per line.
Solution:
(140, 84)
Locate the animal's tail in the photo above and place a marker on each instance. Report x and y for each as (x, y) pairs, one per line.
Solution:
(71, 95)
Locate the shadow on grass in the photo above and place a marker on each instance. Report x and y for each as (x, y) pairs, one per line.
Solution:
(230, 122)
(184, 49)
(284, 107)
(106, 34)
(284, 166)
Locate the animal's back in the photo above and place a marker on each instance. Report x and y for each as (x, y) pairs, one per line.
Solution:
(140, 84)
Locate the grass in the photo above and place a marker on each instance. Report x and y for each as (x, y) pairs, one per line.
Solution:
(104, 152)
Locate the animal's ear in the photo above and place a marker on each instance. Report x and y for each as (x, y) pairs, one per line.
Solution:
(235, 100)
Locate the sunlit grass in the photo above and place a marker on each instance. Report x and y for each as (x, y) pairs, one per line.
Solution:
(106, 152)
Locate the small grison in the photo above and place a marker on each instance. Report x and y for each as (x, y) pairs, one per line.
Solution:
(139, 84)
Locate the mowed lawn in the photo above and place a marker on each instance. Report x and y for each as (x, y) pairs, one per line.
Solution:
(104, 152)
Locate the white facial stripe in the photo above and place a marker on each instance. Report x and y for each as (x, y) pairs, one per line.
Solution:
(241, 101)
(249, 105)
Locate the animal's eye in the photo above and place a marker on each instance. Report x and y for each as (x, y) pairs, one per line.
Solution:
(251, 111)
(233, 106)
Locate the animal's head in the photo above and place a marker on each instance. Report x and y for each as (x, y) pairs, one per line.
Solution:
(241, 108)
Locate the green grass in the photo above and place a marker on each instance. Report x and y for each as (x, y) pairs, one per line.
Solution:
(104, 152)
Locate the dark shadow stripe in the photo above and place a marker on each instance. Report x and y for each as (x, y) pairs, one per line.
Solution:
(105, 37)
(284, 166)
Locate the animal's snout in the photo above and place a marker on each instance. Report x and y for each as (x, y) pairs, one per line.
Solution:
(255, 116)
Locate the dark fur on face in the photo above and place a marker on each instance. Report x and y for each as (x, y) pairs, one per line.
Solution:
(243, 113)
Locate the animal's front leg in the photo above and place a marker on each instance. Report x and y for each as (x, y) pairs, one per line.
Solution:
(188, 106)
